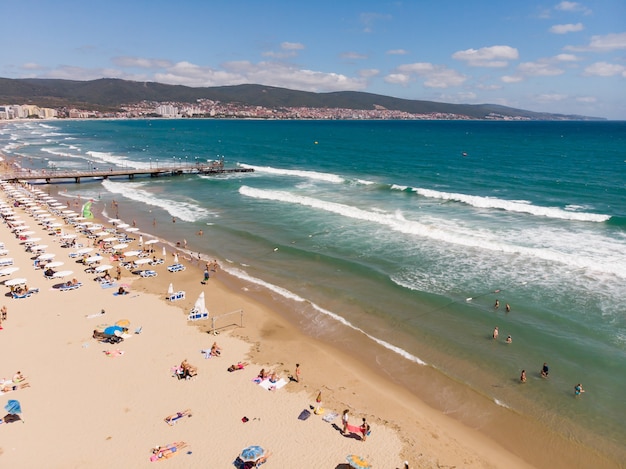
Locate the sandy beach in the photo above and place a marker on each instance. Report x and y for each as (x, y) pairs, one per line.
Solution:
(93, 404)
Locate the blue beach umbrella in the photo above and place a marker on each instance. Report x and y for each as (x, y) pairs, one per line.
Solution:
(357, 462)
(251, 453)
(112, 329)
(13, 407)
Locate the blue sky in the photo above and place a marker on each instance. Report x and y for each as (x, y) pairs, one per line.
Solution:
(553, 56)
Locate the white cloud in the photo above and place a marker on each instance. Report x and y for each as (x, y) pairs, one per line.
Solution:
(398, 78)
(397, 52)
(287, 49)
(540, 68)
(587, 99)
(31, 66)
(368, 72)
(572, 7)
(566, 28)
(353, 56)
(566, 58)
(494, 56)
(607, 43)
(604, 69)
(130, 62)
(512, 78)
(368, 20)
(435, 76)
(550, 98)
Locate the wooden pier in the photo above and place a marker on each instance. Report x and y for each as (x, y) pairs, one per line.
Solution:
(48, 176)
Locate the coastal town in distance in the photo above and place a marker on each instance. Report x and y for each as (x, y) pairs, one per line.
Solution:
(206, 108)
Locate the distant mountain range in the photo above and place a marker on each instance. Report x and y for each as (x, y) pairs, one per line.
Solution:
(108, 94)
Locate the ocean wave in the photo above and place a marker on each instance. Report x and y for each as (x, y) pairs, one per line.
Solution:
(294, 297)
(441, 231)
(514, 206)
(110, 158)
(185, 210)
(327, 177)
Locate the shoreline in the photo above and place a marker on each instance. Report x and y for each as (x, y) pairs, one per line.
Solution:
(275, 340)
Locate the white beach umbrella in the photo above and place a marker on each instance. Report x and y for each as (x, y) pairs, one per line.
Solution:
(84, 250)
(143, 261)
(51, 265)
(152, 241)
(55, 225)
(176, 258)
(8, 270)
(132, 253)
(110, 239)
(199, 305)
(27, 233)
(120, 246)
(102, 233)
(141, 240)
(103, 268)
(62, 273)
(39, 247)
(15, 281)
(170, 289)
(69, 212)
(21, 228)
(20, 222)
(31, 241)
(46, 257)
(123, 225)
(164, 252)
(69, 236)
(92, 259)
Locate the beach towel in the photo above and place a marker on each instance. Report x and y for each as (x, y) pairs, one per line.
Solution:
(114, 353)
(267, 384)
(305, 414)
(330, 416)
(354, 429)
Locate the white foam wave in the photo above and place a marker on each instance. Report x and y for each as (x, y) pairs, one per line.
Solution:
(326, 177)
(185, 210)
(294, 297)
(513, 206)
(440, 230)
(111, 159)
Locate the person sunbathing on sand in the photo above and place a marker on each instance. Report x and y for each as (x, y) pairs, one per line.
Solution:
(263, 374)
(238, 366)
(274, 377)
(216, 350)
(168, 451)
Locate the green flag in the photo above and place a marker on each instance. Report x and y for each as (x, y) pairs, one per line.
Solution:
(87, 209)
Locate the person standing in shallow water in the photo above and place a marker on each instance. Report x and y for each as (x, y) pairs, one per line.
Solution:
(545, 370)
(497, 304)
(495, 333)
(522, 377)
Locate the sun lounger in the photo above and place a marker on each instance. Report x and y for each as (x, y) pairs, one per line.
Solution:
(176, 268)
(179, 295)
(6, 261)
(197, 315)
(157, 262)
(26, 294)
(148, 273)
(74, 286)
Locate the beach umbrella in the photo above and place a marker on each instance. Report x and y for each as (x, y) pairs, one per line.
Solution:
(199, 306)
(102, 233)
(55, 225)
(95, 258)
(143, 261)
(140, 240)
(103, 268)
(110, 239)
(176, 258)
(9, 270)
(120, 246)
(69, 236)
(357, 462)
(17, 221)
(123, 323)
(84, 250)
(170, 289)
(62, 273)
(47, 257)
(111, 330)
(27, 233)
(13, 407)
(50, 265)
(39, 247)
(164, 252)
(15, 281)
(132, 253)
(152, 241)
(123, 225)
(251, 453)
(132, 230)
(21, 228)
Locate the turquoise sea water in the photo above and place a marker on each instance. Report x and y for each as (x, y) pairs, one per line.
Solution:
(406, 231)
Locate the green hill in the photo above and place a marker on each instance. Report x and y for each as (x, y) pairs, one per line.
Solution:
(111, 94)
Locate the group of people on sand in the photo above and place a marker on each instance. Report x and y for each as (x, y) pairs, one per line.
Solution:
(187, 370)
(363, 429)
(18, 381)
(272, 376)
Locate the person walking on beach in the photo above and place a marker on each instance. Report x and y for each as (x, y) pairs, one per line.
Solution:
(545, 370)
(344, 420)
(365, 429)
(297, 373)
(495, 333)
(522, 377)
(4, 312)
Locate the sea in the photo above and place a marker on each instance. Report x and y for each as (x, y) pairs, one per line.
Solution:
(403, 234)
